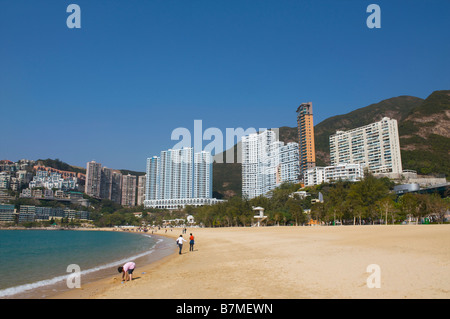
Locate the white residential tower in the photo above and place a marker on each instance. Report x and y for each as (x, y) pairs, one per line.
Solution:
(178, 178)
(375, 145)
(266, 163)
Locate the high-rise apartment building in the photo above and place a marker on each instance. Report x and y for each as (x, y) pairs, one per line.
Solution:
(203, 175)
(176, 173)
(111, 185)
(141, 190)
(305, 128)
(266, 163)
(152, 185)
(129, 190)
(375, 145)
(177, 178)
(288, 169)
(103, 182)
(93, 179)
(106, 183)
(116, 186)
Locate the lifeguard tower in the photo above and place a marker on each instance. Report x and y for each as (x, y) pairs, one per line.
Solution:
(260, 217)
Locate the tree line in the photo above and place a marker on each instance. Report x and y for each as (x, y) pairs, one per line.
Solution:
(369, 201)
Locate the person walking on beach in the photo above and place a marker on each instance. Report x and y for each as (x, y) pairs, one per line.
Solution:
(191, 243)
(127, 270)
(180, 242)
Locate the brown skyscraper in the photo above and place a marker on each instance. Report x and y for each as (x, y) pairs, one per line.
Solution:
(129, 190)
(93, 178)
(306, 148)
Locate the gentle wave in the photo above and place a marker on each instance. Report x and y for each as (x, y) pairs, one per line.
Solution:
(22, 288)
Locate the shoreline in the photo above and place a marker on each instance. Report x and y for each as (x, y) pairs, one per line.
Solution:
(42, 290)
(289, 262)
(95, 288)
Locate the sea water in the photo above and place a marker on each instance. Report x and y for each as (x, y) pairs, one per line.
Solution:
(34, 260)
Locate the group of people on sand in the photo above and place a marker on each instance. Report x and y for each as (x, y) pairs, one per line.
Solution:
(180, 241)
(128, 268)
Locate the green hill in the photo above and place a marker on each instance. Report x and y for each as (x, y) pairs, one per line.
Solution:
(397, 108)
(424, 129)
(425, 136)
(58, 164)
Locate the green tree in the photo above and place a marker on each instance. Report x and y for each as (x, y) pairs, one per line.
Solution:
(408, 203)
(387, 205)
(421, 207)
(335, 201)
(365, 194)
(438, 206)
(296, 206)
(318, 211)
(277, 216)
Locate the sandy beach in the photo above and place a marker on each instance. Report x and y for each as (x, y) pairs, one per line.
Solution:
(292, 263)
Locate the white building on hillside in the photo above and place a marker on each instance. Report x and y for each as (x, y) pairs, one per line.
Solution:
(267, 163)
(345, 172)
(375, 145)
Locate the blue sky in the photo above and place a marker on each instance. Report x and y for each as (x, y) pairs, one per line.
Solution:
(114, 90)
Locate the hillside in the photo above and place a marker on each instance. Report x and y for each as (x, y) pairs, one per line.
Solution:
(424, 125)
(397, 108)
(425, 136)
(58, 164)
